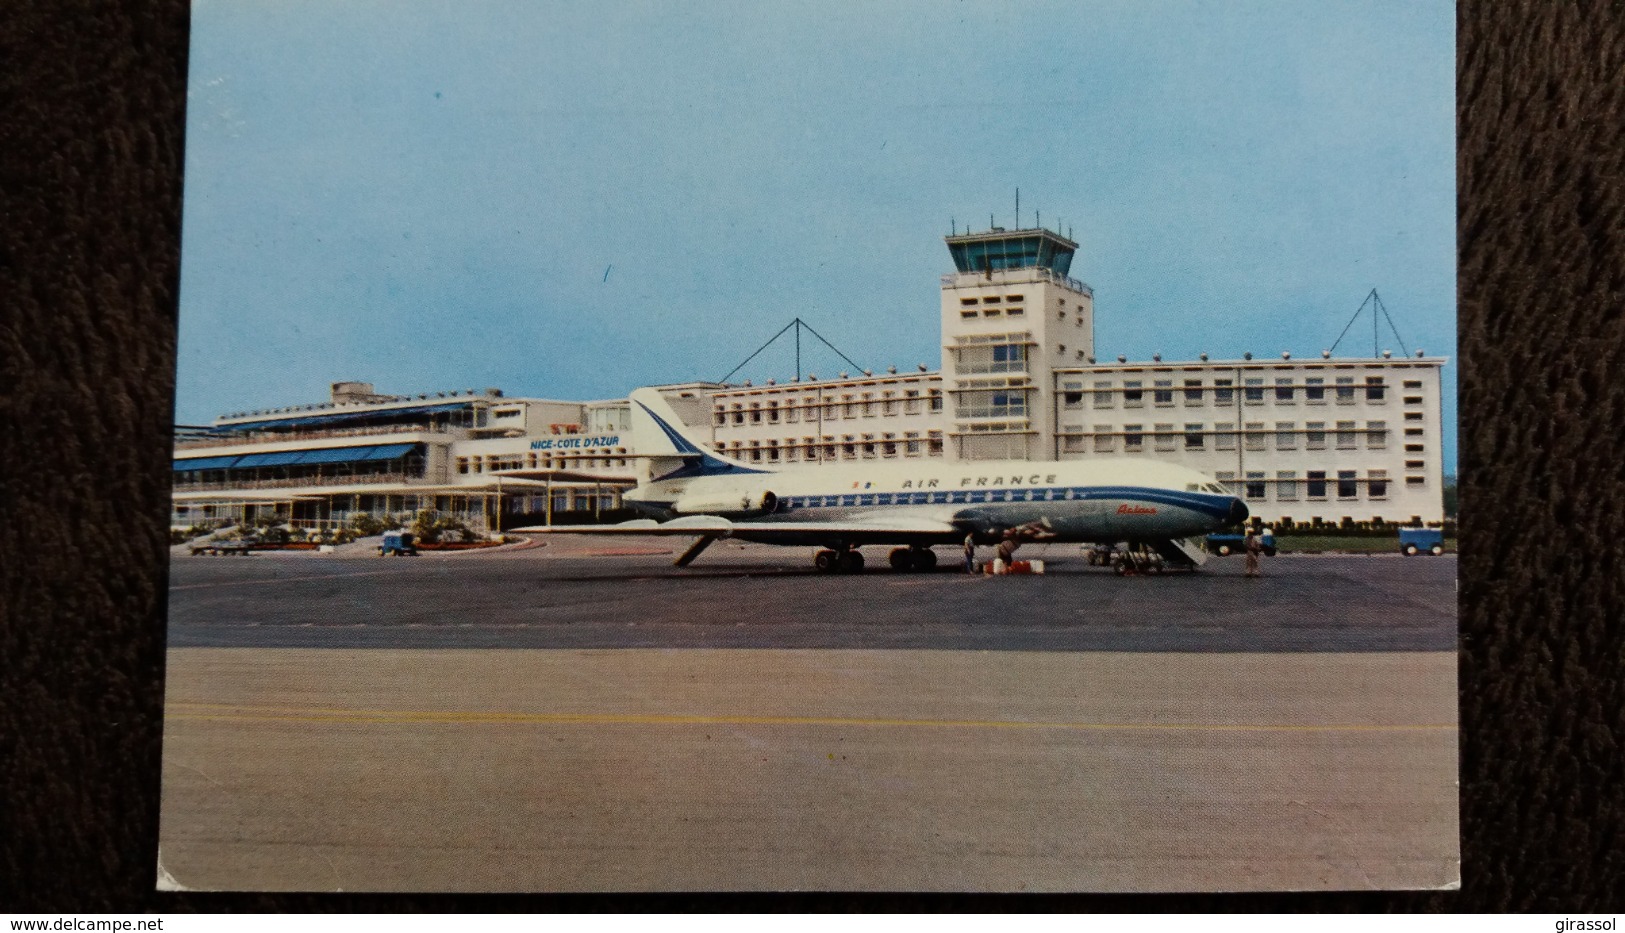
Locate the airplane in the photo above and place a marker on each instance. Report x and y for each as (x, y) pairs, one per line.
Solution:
(687, 489)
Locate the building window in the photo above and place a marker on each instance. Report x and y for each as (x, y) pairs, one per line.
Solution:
(868, 405)
(1314, 390)
(1286, 485)
(1228, 481)
(1345, 390)
(1254, 436)
(1103, 395)
(1413, 448)
(1345, 435)
(1224, 392)
(1133, 438)
(739, 414)
(1224, 435)
(1415, 480)
(1009, 358)
(1072, 394)
(1105, 440)
(1375, 391)
(933, 444)
(1377, 484)
(720, 417)
(1314, 435)
(1253, 391)
(1317, 484)
(1348, 486)
(1286, 435)
(1193, 391)
(1165, 437)
(1413, 383)
(1413, 464)
(1194, 439)
(1255, 486)
(1413, 399)
(1162, 392)
(1283, 390)
(1133, 397)
(1376, 434)
(993, 404)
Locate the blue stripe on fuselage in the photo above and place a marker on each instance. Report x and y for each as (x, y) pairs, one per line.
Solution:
(1217, 506)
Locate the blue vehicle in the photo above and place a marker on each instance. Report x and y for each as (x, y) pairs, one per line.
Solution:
(1413, 541)
(1226, 544)
(398, 544)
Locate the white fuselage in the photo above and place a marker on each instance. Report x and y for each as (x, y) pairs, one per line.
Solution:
(1122, 500)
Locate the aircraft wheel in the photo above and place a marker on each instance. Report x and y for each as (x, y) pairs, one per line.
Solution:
(902, 560)
(851, 562)
(1120, 568)
(1436, 550)
(925, 559)
(825, 561)
(1224, 550)
(1410, 550)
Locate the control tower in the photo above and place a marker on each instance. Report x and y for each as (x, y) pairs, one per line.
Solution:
(1010, 316)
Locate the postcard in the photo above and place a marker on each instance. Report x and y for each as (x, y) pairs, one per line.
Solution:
(717, 447)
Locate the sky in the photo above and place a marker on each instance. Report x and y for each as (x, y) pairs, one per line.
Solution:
(571, 200)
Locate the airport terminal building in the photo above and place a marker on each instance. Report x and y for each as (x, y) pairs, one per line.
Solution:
(1320, 440)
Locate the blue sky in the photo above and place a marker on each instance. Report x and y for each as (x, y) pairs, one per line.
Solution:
(428, 196)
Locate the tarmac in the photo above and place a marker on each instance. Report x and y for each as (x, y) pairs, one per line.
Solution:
(584, 717)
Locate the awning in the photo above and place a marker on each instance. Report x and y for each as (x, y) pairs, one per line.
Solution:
(274, 458)
(388, 452)
(314, 420)
(205, 463)
(300, 457)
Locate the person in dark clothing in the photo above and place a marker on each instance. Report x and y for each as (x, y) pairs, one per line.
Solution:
(1254, 546)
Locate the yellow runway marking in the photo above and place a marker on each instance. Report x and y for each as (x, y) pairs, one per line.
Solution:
(224, 713)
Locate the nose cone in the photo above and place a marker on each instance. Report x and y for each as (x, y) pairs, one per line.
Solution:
(1238, 512)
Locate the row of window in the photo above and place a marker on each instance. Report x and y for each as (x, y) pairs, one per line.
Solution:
(865, 405)
(1254, 435)
(533, 461)
(1286, 485)
(1253, 391)
(850, 447)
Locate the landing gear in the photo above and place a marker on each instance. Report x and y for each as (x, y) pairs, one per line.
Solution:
(912, 559)
(1136, 559)
(845, 560)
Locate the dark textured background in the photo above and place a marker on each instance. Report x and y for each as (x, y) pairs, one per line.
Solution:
(92, 100)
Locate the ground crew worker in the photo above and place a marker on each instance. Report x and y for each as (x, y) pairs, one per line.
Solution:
(970, 554)
(1254, 548)
(1007, 549)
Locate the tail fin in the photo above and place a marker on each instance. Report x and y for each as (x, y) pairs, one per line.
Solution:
(667, 449)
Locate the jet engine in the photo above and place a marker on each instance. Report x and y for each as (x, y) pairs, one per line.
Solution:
(753, 503)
